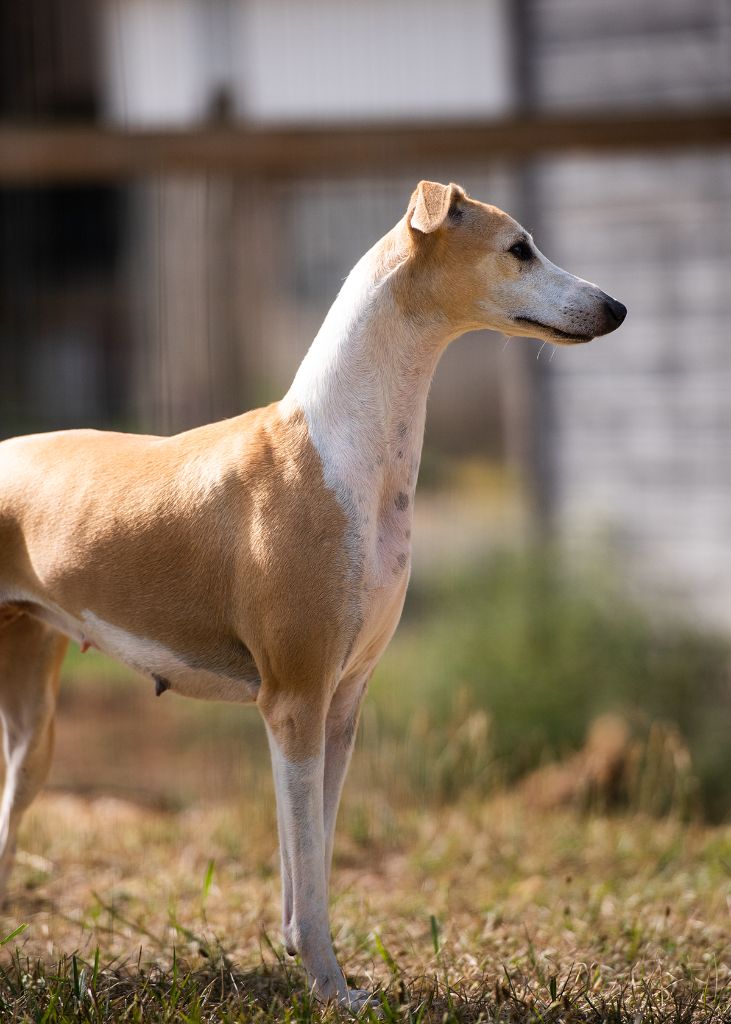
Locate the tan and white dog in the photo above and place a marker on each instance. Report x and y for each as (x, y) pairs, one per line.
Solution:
(265, 558)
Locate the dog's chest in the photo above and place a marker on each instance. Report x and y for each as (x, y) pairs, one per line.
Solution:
(369, 451)
(381, 611)
(382, 514)
(382, 526)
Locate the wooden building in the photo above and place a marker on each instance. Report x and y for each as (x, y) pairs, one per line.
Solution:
(159, 295)
(637, 427)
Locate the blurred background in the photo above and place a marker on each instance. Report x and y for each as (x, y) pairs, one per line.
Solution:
(184, 184)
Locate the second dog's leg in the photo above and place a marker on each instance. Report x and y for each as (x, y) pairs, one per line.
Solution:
(30, 660)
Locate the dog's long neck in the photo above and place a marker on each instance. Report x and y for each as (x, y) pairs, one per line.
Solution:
(363, 388)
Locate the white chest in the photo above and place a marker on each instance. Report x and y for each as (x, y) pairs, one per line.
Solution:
(362, 388)
(381, 518)
(381, 609)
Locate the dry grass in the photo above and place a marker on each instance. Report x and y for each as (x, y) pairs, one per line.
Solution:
(147, 887)
(491, 910)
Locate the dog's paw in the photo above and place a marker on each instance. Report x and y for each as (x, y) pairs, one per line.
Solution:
(356, 1000)
(289, 944)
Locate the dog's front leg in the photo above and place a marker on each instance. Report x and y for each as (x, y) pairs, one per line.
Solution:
(298, 779)
(340, 731)
(341, 728)
(285, 871)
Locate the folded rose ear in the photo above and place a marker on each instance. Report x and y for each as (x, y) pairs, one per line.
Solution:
(431, 204)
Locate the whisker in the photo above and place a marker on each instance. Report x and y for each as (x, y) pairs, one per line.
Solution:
(541, 349)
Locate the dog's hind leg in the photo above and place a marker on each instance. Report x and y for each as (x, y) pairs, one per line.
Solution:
(30, 660)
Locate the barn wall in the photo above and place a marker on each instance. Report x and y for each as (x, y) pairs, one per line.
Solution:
(638, 425)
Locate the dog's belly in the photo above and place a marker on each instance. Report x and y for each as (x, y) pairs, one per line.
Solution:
(205, 676)
(193, 677)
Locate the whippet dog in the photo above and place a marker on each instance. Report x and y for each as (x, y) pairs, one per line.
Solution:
(265, 558)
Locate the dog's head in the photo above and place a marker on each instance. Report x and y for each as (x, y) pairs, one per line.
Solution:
(480, 268)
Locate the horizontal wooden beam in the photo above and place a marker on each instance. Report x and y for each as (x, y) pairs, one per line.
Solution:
(36, 154)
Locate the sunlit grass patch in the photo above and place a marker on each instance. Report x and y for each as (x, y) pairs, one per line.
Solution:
(77, 990)
(484, 910)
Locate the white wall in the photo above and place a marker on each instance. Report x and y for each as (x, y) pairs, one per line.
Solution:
(639, 436)
(162, 60)
(374, 60)
(293, 60)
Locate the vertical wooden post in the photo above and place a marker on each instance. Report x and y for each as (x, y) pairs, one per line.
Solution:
(527, 393)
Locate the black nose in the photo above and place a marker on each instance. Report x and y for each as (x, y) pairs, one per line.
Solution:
(616, 312)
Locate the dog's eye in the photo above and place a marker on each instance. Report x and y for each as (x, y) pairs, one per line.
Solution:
(455, 211)
(521, 251)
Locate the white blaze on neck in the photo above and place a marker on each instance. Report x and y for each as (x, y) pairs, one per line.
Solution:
(363, 387)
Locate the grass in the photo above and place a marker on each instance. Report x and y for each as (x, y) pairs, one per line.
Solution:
(528, 653)
(482, 910)
(147, 885)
